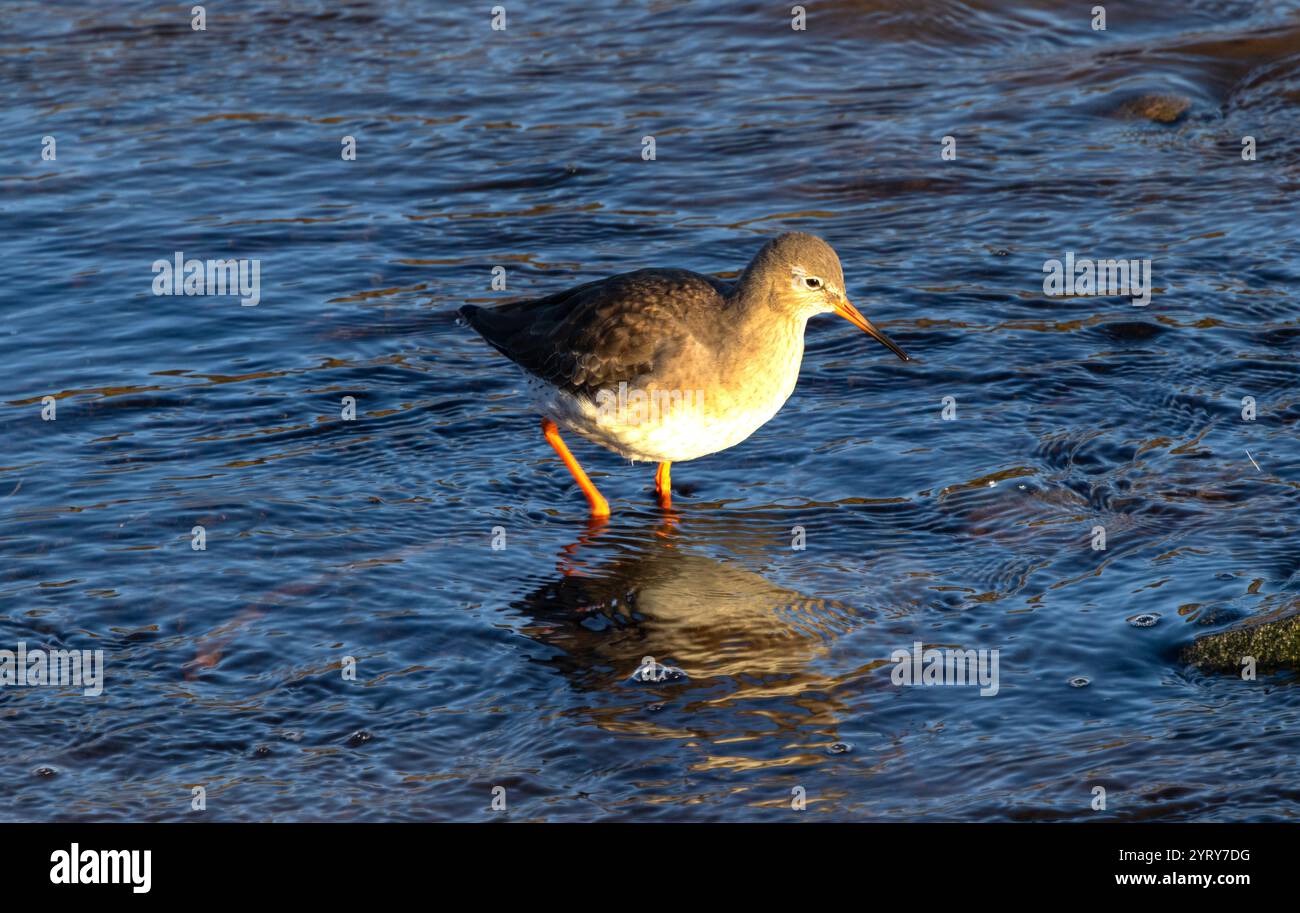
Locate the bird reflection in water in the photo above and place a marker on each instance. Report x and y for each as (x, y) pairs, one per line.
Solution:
(735, 635)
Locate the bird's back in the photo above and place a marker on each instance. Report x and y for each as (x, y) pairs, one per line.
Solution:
(593, 336)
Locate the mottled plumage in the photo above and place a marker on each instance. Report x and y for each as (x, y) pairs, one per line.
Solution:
(586, 339)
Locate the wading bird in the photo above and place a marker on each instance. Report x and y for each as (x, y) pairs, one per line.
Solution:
(667, 365)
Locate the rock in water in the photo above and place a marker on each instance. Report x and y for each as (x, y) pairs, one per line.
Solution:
(1163, 109)
(1273, 644)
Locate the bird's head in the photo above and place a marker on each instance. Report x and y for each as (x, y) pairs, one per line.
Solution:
(805, 278)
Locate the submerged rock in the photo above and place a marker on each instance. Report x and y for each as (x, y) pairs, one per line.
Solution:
(1273, 644)
(1163, 109)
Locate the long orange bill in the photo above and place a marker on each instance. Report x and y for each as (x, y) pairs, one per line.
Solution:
(846, 310)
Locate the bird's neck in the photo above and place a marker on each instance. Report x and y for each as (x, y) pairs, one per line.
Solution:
(764, 341)
(758, 314)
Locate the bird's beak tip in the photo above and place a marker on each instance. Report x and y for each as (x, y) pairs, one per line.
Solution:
(854, 316)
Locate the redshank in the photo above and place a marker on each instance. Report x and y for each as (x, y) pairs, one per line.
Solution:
(667, 365)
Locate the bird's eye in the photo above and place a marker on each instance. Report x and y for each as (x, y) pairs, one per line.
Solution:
(812, 282)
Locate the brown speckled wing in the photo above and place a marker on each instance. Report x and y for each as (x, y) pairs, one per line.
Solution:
(593, 336)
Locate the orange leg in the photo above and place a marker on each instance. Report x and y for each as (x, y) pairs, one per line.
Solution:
(664, 484)
(599, 506)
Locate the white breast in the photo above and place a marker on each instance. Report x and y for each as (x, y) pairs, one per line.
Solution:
(697, 423)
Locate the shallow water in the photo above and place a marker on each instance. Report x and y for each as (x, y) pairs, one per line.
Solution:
(372, 538)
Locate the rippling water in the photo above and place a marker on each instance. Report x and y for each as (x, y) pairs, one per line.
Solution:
(371, 539)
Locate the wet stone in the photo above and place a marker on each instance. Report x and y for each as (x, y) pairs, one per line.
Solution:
(1273, 644)
(1160, 109)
